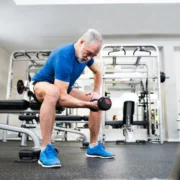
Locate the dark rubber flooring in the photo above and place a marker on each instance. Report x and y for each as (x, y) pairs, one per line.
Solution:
(133, 161)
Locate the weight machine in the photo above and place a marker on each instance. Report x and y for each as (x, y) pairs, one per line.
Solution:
(138, 67)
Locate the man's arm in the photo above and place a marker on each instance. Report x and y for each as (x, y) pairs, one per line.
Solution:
(97, 77)
(66, 100)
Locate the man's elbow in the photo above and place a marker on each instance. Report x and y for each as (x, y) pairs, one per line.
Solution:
(98, 72)
(62, 96)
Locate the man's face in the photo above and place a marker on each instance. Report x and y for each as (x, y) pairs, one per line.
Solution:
(87, 52)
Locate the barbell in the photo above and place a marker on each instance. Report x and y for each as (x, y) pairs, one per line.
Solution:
(21, 88)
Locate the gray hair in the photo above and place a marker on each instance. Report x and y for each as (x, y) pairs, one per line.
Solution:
(91, 36)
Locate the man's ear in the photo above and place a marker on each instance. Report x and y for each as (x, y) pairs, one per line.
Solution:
(82, 41)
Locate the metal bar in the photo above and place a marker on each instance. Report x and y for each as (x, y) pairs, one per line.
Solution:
(116, 77)
(138, 60)
(122, 82)
(106, 56)
(22, 130)
(124, 64)
(71, 131)
(41, 60)
(160, 100)
(123, 71)
(118, 88)
(70, 121)
(17, 111)
(8, 93)
(33, 53)
(139, 123)
(129, 45)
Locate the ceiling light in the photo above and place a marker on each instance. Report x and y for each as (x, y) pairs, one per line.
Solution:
(73, 2)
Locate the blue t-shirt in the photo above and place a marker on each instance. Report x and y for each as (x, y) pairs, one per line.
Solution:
(62, 64)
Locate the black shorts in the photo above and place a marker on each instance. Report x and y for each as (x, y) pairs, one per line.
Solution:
(35, 82)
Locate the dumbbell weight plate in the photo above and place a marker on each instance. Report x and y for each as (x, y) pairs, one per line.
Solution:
(162, 77)
(20, 86)
(104, 103)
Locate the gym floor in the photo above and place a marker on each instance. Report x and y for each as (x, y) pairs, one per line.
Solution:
(133, 161)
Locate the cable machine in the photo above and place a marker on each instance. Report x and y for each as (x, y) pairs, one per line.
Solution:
(139, 67)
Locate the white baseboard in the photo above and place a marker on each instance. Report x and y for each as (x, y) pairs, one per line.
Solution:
(173, 140)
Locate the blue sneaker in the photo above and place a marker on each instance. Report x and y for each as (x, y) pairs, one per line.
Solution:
(48, 157)
(99, 151)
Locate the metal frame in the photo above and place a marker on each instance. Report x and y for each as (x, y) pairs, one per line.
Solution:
(128, 52)
(36, 61)
(22, 130)
(25, 56)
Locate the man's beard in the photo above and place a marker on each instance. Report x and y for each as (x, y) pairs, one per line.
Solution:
(80, 58)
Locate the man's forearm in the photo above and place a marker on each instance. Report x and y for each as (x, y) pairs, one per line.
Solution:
(97, 82)
(68, 101)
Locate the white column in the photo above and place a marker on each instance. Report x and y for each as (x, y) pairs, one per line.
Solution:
(170, 93)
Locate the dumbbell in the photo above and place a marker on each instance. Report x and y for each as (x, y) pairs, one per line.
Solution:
(30, 155)
(21, 87)
(103, 103)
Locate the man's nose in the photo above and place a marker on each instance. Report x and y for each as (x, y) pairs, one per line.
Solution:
(89, 58)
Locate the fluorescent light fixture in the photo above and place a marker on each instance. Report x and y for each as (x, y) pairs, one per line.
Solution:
(73, 2)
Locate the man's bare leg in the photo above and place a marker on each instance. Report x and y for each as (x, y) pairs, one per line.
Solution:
(94, 125)
(94, 117)
(48, 94)
(95, 149)
(47, 118)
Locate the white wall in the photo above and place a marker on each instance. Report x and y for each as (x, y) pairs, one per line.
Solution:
(4, 67)
(4, 59)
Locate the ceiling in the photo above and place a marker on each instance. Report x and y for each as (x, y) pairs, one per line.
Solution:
(45, 27)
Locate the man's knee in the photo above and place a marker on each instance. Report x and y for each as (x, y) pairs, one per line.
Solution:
(52, 94)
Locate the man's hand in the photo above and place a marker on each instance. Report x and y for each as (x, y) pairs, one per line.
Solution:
(103, 104)
(93, 95)
(94, 107)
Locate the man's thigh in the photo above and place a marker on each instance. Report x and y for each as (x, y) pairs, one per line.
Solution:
(42, 88)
